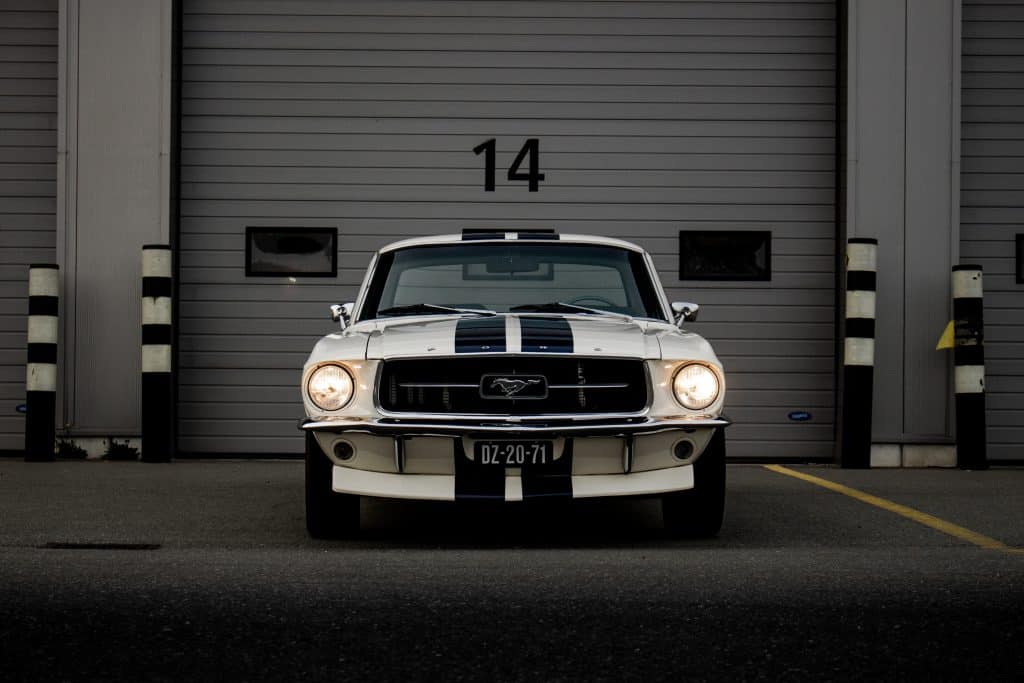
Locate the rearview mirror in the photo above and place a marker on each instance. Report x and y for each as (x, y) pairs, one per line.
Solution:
(342, 314)
(685, 312)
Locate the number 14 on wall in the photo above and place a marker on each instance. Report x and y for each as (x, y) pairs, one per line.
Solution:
(531, 149)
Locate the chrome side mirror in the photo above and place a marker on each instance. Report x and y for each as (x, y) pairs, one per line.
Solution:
(685, 312)
(342, 314)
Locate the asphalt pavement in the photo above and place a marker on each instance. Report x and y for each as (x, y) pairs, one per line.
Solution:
(202, 570)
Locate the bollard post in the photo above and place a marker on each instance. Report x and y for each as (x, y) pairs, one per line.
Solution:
(157, 387)
(969, 367)
(41, 365)
(859, 352)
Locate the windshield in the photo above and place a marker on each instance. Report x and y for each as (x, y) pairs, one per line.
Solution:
(512, 276)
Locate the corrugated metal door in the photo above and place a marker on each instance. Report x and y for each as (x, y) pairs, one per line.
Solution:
(992, 204)
(652, 117)
(28, 185)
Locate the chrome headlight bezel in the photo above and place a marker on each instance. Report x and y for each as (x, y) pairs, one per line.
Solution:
(706, 397)
(344, 397)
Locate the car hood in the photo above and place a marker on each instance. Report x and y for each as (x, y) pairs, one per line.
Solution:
(446, 336)
(514, 333)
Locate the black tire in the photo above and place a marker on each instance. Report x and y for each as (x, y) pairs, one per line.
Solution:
(698, 513)
(328, 514)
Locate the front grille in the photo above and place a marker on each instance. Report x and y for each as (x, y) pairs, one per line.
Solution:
(570, 386)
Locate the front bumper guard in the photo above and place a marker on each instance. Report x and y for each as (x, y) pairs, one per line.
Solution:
(421, 427)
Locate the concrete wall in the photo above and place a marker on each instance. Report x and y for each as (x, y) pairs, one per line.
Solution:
(114, 133)
(903, 170)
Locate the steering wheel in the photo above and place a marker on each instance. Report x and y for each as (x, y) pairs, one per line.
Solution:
(591, 297)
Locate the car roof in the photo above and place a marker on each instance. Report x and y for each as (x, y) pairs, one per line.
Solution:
(508, 236)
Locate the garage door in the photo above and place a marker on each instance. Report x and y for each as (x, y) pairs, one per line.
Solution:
(28, 185)
(651, 118)
(992, 204)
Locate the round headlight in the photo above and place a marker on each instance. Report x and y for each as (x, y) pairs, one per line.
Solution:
(330, 387)
(696, 386)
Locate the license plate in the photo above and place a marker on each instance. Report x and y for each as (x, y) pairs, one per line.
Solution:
(513, 453)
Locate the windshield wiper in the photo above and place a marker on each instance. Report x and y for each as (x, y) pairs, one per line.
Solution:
(562, 307)
(416, 309)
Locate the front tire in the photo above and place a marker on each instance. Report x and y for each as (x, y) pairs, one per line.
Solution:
(698, 513)
(328, 514)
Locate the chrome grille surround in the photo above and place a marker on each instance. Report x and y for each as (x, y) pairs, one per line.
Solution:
(575, 386)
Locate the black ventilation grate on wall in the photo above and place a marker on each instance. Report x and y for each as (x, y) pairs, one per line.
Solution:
(725, 255)
(298, 252)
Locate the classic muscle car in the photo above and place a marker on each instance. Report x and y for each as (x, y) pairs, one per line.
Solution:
(511, 366)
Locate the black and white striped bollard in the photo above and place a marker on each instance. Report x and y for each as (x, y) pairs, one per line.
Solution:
(157, 387)
(859, 351)
(41, 366)
(969, 367)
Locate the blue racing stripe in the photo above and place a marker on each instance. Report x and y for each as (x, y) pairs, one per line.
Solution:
(472, 235)
(537, 235)
(546, 335)
(480, 335)
(550, 481)
(473, 482)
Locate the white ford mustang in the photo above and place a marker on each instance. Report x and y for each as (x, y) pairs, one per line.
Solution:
(512, 366)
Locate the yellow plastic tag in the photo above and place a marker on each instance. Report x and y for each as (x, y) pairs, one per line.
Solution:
(946, 340)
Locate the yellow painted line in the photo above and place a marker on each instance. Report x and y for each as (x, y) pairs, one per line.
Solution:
(924, 518)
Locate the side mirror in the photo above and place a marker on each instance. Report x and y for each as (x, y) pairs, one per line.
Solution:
(342, 314)
(685, 312)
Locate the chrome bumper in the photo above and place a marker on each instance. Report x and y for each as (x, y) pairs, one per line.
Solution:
(421, 427)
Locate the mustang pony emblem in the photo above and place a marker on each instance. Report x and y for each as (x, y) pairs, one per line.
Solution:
(510, 386)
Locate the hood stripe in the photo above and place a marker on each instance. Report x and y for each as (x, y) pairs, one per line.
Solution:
(476, 483)
(552, 481)
(546, 335)
(480, 335)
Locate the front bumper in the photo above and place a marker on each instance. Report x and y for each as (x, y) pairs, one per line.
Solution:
(431, 459)
(512, 487)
